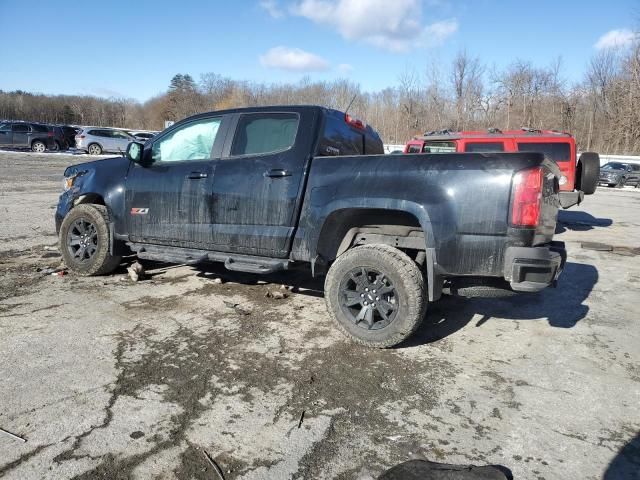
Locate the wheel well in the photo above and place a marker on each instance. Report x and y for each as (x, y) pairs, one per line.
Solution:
(38, 140)
(357, 226)
(89, 198)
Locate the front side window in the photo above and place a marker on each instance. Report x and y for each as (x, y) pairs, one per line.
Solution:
(414, 149)
(262, 133)
(192, 141)
(557, 151)
(40, 128)
(484, 147)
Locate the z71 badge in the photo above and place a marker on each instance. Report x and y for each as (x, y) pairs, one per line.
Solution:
(139, 211)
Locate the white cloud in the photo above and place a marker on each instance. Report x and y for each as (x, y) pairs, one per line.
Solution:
(392, 25)
(272, 8)
(437, 33)
(616, 38)
(293, 59)
(345, 68)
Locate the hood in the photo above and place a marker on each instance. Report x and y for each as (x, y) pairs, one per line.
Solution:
(115, 166)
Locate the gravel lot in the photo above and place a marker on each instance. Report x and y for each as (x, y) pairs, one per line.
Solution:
(107, 378)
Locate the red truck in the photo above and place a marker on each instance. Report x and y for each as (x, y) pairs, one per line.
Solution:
(579, 176)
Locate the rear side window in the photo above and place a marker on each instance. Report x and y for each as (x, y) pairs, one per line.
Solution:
(20, 128)
(482, 147)
(339, 138)
(40, 128)
(262, 133)
(414, 149)
(557, 151)
(95, 133)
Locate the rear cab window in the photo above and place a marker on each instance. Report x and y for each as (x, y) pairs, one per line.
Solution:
(264, 133)
(340, 138)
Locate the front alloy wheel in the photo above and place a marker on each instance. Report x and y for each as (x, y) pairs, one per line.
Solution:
(82, 240)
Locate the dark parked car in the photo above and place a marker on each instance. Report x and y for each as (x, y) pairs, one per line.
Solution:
(38, 138)
(69, 134)
(266, 189)
(618, 174)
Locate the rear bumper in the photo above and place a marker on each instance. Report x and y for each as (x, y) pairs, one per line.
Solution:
(531, 269)
(569, 199)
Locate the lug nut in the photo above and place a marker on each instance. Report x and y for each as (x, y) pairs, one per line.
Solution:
(373, 305)
(362, 295)
(366, 289)
(377, 298)
(365, 303)
(374, 291)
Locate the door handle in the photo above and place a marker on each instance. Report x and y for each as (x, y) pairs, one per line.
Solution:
(277, 173)
(197, 175)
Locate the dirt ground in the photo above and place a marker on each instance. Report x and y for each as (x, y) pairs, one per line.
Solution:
(107, 378)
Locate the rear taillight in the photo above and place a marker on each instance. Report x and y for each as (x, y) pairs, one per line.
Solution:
(527, 197)
(49, 134)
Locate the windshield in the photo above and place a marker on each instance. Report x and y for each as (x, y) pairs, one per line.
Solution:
(615, 166)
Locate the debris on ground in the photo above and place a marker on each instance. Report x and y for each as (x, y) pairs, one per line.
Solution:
(301, 419)
(136, 271)
(217, 280)
(13, 435)
(276, 295)
(53, 248)
(59, 273)
(213, 464)
(238, 308)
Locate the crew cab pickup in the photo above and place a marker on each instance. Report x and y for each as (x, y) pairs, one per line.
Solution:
(579, 175)
(273, 188)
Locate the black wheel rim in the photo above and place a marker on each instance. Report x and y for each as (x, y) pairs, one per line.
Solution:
(82, 240)
(368, 298)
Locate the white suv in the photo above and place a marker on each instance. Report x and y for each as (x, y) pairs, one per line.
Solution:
(96, 140)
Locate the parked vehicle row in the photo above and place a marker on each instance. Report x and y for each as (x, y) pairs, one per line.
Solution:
(618, 174)
(40, 137)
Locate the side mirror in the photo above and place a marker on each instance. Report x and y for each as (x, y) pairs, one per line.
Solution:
(134, 152)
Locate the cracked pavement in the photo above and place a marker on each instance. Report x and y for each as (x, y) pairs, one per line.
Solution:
(107, 378)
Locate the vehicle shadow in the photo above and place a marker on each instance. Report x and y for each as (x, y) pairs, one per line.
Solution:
(579, 221)
(626, 464)
(562, 307)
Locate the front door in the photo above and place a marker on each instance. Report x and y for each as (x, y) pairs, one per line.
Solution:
(168, 200)
(257, 184)
(20, 134)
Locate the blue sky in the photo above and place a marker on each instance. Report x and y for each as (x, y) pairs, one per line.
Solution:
(133, 48)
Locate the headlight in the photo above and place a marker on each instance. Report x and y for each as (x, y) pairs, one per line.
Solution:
(67, 183)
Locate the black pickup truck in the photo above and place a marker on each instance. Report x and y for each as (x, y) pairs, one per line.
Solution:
(267, 189)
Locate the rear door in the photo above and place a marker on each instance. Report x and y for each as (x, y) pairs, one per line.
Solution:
(120, 140)
(257, 185)
(169, 200)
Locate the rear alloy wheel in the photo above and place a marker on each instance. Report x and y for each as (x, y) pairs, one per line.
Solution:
(84, 241)
(95, 149)
(38, 147)
(376, 295)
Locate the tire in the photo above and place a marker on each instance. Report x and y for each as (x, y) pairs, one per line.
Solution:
(88, 253)
(94, 149)
(621, 183)
(611, 185)
(363, 270)
(38, 146)
(588, 172)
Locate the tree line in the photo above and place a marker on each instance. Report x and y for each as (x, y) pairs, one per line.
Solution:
(602, 110)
